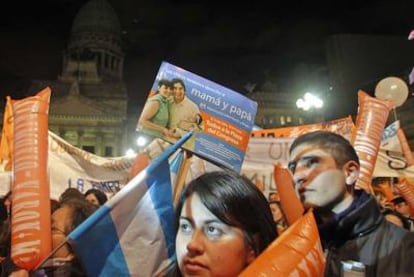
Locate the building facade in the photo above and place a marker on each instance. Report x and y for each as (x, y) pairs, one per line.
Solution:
(88, 105)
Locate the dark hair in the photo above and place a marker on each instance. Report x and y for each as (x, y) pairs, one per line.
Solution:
(3, 211)
(100, 196)
(398, 199)
(180, 81)
(164, 82)
(70, 193)
(339, 147)
(404, 221)
(236, 201)
(80, 210)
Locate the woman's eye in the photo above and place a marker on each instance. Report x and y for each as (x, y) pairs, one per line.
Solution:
(213, 231)
(185, 227)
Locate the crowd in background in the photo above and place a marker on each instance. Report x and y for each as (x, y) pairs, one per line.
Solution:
(78, 206)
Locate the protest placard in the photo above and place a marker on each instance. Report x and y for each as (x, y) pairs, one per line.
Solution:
(180, 101)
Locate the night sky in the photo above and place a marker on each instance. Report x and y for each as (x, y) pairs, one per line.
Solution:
(231, 44)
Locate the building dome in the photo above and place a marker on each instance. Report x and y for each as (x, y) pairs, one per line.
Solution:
(95, 41)
(97, 16)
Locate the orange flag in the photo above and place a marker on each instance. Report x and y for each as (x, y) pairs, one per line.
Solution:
(291, 205)
(297, 252)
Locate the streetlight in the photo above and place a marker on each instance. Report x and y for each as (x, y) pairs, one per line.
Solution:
(309, 101)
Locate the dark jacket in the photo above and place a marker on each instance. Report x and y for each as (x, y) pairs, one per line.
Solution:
(362, 234)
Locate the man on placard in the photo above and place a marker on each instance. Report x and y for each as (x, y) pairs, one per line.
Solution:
(184, 113)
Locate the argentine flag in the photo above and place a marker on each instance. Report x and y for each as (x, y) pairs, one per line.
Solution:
(132, 234)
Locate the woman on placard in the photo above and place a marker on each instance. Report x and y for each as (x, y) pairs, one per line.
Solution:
(155, 115)
(223, 222)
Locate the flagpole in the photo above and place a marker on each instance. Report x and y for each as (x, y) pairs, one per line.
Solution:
(51, 254)
(182, 176)
(138, 179)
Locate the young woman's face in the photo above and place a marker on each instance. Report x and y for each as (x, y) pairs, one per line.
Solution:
(206, 246)
(165, 91)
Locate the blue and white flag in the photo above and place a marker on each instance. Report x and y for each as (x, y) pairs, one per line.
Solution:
(175, 167)
(132, 234)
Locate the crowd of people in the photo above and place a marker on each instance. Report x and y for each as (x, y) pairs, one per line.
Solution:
(72, 208)
(223, 221)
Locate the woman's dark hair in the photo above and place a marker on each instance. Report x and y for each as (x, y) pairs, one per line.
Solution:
(70, 193)
(100, 196)
(236, 201)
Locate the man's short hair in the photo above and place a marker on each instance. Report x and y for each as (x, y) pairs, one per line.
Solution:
(339, 147)
(178, 80)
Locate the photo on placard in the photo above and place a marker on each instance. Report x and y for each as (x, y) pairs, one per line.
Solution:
(221, 119)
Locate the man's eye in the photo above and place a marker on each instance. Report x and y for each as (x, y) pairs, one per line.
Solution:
(292, 166)
(311, 161)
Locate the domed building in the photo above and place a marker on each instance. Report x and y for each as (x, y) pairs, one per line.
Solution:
(89, 99)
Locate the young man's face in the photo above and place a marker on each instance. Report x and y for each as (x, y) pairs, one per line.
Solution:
(178, 92)
(318, 180)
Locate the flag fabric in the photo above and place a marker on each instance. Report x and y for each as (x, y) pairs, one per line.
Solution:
(132, 234)
(175, 167)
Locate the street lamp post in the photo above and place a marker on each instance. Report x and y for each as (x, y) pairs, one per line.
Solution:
(309, 103)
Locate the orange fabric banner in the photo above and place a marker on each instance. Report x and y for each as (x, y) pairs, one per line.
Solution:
(291, 205)
(342, 126)
(297, 252)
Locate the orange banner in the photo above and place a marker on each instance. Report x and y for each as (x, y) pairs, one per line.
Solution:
(297, 252)
(342, 126)
(366, 137)
(31, 239)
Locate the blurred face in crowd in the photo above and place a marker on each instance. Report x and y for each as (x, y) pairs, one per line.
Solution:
(276, 212)
(91, 198)
(318, 180)
(403, 208)
(206, 246)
